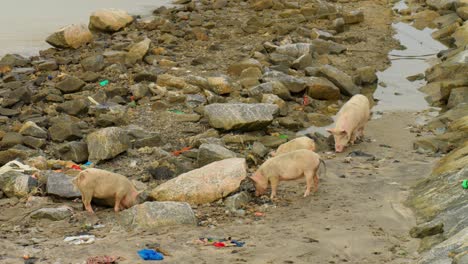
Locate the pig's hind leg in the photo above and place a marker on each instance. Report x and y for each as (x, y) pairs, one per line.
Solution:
(309, 176)
(86, 197)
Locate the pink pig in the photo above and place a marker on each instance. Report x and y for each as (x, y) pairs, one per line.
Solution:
(295, 144)
(108, 186)
(351, 120)
(289, 166)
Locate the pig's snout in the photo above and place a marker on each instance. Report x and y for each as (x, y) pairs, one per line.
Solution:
(339, 148)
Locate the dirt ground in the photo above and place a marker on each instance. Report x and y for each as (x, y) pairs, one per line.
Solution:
(357, 216)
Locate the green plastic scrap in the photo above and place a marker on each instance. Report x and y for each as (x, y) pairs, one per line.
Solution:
(465, 184)
(175, 111)
(282, 136)
(104, 83)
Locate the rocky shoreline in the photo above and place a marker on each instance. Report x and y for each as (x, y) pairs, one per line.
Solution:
(205, 90)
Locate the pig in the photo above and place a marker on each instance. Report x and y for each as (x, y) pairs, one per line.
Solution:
(105, 185)
(351, 121)
(295, 144)
(289, 166)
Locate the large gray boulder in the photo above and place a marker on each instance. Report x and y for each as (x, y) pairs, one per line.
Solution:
(61, 185)
(76, 151)
(151, 215)
(208, 153)
(204, 185)
(109, 20)
(16, 184)
(246, 117)
(54, 214)
(31, 129)
(340, 79)
(72, 36)
(293, 84)
(107, 143)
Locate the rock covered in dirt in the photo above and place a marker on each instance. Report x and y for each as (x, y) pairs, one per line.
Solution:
(73, 107)
(204, 185)
(462, 12)
(441, 4)
(237, 201)
(31, 129)
(107, 143)
(76, 151)
(109, 20)
(220, 85)
(65, 129)
(137, 51)
(353, 17)
(93, 63)
(11, 139)
(150, 215)
(445, 252)
(208, 153)
(16, 184)
(61, 185)
(461, 35)
(72, 36)
(293, 84)
(14, 60)
(340, 79)
(426, 230)
(70, 84)
(246, 117)
(237, 68)
(366, 75)
(322, 89)
(273, 87)
(54, 214)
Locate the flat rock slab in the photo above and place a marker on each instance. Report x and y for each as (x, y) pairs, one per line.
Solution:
(246, 117)
(156, 214)
(204, 185)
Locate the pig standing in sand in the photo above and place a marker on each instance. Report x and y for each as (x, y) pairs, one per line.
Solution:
(295, 144)
(289, 166)
(101, 184)
(351, 121)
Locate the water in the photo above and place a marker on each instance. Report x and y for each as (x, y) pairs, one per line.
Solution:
(27, 23)
(399, 93)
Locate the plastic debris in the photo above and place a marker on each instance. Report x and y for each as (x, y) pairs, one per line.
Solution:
(104, 83)
(219, 243)
(158, 248)
(80, 240)
(88, 163)
(103, 260)
(282, 136)
(15, 165)
(176, 111)
(132, 104)
(465, 184)
(259, 214)
(178, 152)
(150, 254)
(76, 167)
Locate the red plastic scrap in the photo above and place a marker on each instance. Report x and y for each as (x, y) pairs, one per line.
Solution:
(75, 167)
(305, 100)
(102, 260)
(178, 152)
(219, 244)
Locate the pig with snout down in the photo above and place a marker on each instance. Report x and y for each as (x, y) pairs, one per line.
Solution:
(289, 166)
(108, 186)
(295, 144)
(351, 121)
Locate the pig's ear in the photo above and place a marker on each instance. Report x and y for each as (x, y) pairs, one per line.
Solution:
(330, 130)
(343, 132)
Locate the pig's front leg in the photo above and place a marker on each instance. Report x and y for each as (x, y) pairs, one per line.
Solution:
(274, 187)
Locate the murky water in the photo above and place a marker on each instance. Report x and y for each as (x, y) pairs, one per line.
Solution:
(27, 23)
(396, 92)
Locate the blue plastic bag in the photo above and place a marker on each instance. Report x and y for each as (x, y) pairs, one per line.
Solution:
(150, 254)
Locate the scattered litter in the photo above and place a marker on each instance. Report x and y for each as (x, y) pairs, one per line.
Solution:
(178, 152)
(76, 167)
(132, 104)
(103, 260)
(15, 165)
(98, 226)
(88, 163)
(208, 241)
(385, 146)
(93, 101)
(79, 240)
(283, 136)
(158, 248)
(465, 184)
(150, 254)
(50, 77)
(311, 240)
(175, 111)
(358, 153)
(29, 260)
(259, 214)
(305, 100)
(104, 83)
